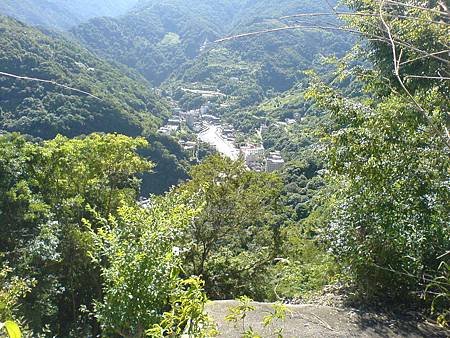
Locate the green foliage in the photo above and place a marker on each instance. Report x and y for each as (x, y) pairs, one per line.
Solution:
(278, 315)
(390, 206)
(171, 164)
(43, 110)
(126, 104)
(78, 231)
(304, 268)
(98, 170)
(46, 192)
(438, 290)
(298, 143)
(11, 328)
(388, 165)
(20, 209)
(187, 316)
(228, 246)
(13, 289)
(238, 314)
(142, 266)
(426, 32)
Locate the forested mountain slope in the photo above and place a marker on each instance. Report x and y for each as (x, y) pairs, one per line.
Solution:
(123, 103)
(250, 68)
(158, 36)
(164, 39)
(63, 14)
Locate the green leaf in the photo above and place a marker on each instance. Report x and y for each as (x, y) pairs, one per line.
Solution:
(12, 329)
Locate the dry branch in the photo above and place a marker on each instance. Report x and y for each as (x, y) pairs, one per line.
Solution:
(331, 28)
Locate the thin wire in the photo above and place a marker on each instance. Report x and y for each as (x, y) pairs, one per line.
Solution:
(48, 81)
(427, 77)
(425, 56)
(406, 17)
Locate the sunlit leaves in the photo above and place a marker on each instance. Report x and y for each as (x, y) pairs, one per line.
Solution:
(232, 239)
(142, 265)
(47, 191)
(12, 329)
(388, 159)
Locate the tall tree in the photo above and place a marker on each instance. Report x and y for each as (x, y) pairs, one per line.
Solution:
(232, 241)
(388, 155)
(47, 191)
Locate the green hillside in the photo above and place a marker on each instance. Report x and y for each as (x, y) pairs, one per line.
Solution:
(63, 14)
(124, 102)
(157, 37)
(163, 40)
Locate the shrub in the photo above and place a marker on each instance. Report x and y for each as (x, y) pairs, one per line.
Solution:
(141, 269)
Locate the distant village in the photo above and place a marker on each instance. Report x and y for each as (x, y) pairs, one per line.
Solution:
(201, 121)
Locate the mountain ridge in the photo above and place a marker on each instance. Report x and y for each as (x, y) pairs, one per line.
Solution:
(139, 38)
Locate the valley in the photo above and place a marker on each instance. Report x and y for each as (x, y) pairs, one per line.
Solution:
(230, 168)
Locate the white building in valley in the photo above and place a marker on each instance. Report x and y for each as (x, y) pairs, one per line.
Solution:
(253, 155)
(169, 129)
(204, 109)
(274, 162)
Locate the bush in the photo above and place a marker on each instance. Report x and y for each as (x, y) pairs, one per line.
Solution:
(141, 270)
(304, 269)
(232, 241)
(12, 290)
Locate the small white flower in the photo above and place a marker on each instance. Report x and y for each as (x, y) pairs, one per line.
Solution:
(176, 251)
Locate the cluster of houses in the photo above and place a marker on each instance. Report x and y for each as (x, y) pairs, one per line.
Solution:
(228, 133)
(255, 155)
(189, 146)
(192, 118)
(274, 161)
(171, 127)
(289, 121)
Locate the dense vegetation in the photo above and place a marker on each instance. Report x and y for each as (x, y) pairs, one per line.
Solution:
(124, 102)
(156, 37)
(48, 193)
(387, 155)
(74, 232)
(299, 147)
(62, 14)
(363, 199)
(171, 164)
(229, 247)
